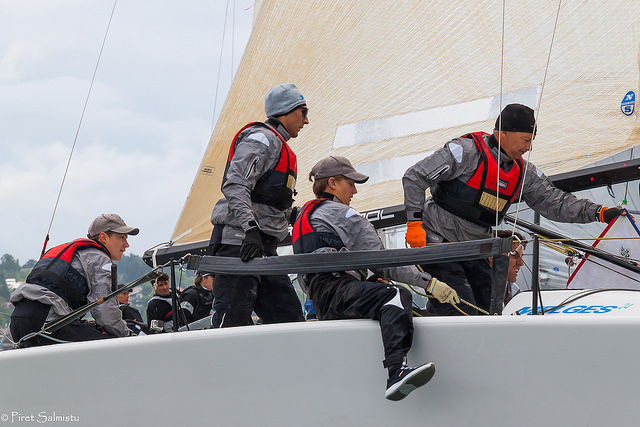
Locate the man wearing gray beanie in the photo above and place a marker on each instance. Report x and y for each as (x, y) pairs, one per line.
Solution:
(253, 216)
(466, 201)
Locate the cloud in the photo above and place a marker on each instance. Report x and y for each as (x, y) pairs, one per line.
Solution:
(146, 125)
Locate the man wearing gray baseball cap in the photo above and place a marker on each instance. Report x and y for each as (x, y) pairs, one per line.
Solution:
(253, 216)
(328, 224)
(68, 277)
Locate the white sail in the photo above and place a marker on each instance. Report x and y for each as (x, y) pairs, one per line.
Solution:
(389, 82)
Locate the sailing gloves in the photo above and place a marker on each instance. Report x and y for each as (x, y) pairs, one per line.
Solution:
(251, 245)
(442, 292)
(294, 214)
(416, 237)
(607, 214)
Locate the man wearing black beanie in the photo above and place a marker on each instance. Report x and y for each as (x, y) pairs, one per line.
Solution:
(463, 177)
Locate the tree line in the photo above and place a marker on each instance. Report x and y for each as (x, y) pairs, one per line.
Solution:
(130, 267)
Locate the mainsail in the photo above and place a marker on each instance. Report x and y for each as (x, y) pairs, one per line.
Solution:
(389, 82)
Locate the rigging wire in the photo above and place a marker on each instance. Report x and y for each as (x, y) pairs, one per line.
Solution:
(544, 81)
(504, 6)
(215, 98)
(75, 139)
(626, 187)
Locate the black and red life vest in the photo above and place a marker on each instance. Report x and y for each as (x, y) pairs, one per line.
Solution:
(276, 187)
(305, 238)
(475, 200)
(54, 272)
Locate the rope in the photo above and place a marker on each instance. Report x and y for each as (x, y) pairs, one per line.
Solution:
(6, 331)
(626, 187)
(75, 139)
(424, 294)
(500, 115)
(544, 81)
(215, 98)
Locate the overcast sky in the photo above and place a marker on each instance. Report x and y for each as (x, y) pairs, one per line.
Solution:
(147, 122)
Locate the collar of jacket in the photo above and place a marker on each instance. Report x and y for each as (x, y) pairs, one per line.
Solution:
(330, 197)
(278, 126)
(505, 160)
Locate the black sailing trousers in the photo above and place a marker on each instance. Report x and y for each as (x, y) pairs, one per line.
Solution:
(470, 279)
(343, 297)
(273, 298)
(29, 316)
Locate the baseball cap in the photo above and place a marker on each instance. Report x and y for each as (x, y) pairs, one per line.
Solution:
(110, 222)
(282, 99)
(337, 165)
(517, 118)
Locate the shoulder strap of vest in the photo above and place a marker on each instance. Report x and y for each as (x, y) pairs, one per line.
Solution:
(478, 139)
(302, 226)
(255, 124)
(65, 252)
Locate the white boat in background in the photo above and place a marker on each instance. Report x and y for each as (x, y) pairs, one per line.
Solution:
(387, 83)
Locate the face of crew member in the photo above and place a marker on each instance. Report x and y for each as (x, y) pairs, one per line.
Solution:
(162, 288)
(207, 282)
(116, 244)
(516, 144)
(295, 120)
(515, 262)
(123, 298)
(344, 188)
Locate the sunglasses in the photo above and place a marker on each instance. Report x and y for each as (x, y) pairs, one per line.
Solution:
(305, 112)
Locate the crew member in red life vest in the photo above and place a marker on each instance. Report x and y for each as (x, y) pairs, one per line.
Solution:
(328, 224)
(463, 177)
(258, 187)
(68, 277)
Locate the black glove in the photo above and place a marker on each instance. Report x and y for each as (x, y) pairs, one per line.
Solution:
(607, 214)
(293, 215)
(251, 245)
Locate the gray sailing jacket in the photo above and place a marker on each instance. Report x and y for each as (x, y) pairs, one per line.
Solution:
(257, 151)
(459, 159)
(95, 266)
(358, 234)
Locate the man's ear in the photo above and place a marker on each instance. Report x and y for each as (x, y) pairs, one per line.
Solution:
(102, 237)
(332, 183)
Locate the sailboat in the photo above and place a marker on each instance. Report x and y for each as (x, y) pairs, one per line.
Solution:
(387, 83)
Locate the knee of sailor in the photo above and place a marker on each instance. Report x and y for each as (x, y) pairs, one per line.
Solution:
(405, 296)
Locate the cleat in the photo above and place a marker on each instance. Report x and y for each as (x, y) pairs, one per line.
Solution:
(407, 379)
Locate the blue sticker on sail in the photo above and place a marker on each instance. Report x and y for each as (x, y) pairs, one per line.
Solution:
(628, 104)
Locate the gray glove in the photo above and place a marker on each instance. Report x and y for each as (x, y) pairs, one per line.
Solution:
(442, 292)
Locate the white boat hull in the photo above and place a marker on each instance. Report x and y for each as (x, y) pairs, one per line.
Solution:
(498, 370)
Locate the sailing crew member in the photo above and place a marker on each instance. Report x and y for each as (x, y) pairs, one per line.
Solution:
(68, 277)
(160, 307)
(130, 314)
(328, 224)
(462, 177)
(258, 187)
(197, 300)
(518, 246)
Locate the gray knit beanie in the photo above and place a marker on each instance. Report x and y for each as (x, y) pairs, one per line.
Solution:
(282, 99)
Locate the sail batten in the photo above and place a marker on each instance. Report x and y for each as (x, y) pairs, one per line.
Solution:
(382, 81)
